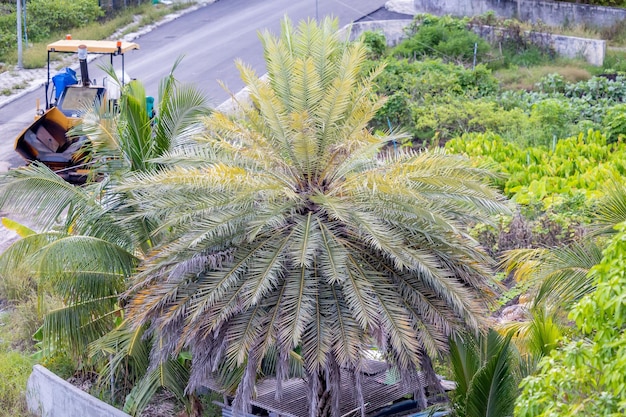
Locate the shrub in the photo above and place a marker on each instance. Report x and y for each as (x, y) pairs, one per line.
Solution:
(376, 44)
(46, 17)
(417, 90)
(445, 38)
(615, 123)
(8, 34)
(587, 376)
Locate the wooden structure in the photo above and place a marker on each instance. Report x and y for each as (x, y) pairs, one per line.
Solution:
(380, 388)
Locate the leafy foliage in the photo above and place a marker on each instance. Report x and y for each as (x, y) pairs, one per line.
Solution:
(45, 18)
(376, 43)
(580, 164)
(587, 375)
(445, 37)
(83, 254)
(425, 95)
(484, 370)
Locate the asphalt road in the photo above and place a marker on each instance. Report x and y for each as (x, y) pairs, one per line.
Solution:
(209, 39)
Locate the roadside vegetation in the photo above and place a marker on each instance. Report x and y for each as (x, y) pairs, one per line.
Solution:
(84, 19)
(15, 366)
(399, 199)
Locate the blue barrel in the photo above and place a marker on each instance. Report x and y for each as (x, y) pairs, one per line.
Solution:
(65, 77)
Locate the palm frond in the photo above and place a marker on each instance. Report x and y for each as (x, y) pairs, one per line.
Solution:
(494, 389)
(38, 193)
(483, 369)
(561, 276)
(611, 209)
(171, 375)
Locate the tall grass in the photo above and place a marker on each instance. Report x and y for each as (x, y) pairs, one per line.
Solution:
(15, 368)
(525, 78)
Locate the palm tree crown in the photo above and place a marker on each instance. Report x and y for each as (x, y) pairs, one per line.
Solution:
(288, 228)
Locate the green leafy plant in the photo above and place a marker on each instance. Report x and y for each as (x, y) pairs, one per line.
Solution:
(376, 44)
(586, 375)
(579, 164)
(484, 371)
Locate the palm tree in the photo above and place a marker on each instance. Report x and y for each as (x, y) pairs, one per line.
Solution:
(559, 277)
(82, 249)
(288, 229)
(486, 370)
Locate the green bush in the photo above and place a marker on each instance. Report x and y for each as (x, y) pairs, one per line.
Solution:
(48, 17)
(586, 376)
(445, 38)
(420, 92)
(615, 123)
(553, 117)
(376, 44)
(454, 116)
(8, 33)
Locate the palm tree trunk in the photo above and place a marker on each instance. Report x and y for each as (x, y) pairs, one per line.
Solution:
(323, 397)
(324, 390)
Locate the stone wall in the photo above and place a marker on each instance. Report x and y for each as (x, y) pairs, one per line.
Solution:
(552, 13)
(47, 395)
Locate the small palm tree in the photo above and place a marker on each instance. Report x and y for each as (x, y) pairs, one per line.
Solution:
(485, 369)
(559, 277)
(288, 229)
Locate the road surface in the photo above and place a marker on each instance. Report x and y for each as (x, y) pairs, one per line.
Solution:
(210, 39)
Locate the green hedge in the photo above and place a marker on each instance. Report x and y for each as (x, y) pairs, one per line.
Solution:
(45, 17)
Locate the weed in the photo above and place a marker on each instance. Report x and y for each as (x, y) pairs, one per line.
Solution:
(20, 86)
(614, 61)
(15, 286)
(615, 34)
(525, 78)
(14, 371)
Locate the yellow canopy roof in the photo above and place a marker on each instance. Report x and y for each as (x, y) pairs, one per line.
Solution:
(93, 47)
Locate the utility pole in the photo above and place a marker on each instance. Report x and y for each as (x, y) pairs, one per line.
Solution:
(20, 65)
(316, 11)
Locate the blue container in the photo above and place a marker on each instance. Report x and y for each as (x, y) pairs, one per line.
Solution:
(150, 106)
(62, 79)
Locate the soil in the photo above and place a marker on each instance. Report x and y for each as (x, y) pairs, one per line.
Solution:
(163, 404)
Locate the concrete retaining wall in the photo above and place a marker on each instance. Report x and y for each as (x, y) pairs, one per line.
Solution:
(552, 13)
(392, 29)
(48, 395)
(591, 50)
